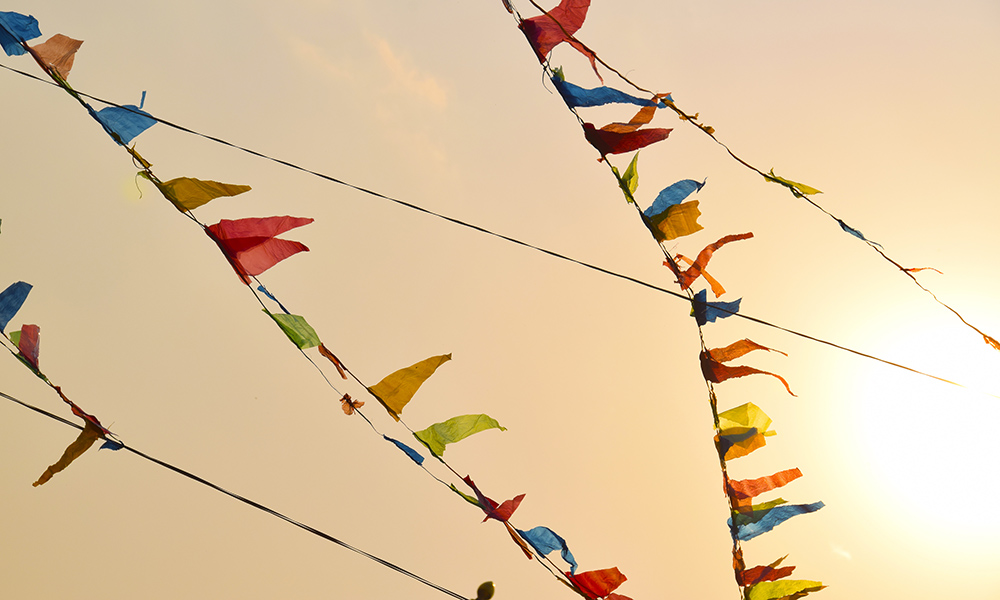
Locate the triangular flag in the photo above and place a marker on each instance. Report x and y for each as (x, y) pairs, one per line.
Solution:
(16, 29)
(251, 245)
(188, 193)
(58, 53)
(11, 300)
(547, 31)
(455, 429)
(397, 388)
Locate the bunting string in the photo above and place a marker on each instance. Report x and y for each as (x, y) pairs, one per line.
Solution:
(541, 249)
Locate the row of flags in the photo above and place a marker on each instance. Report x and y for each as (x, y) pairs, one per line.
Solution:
(251, 246)
(673, 215)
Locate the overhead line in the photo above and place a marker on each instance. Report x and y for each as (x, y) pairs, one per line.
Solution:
(501, 236)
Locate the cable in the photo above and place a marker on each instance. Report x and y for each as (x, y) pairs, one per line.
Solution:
(250, 502)
(512, 240)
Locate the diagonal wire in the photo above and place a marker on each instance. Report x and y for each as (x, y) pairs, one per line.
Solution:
(249, 502)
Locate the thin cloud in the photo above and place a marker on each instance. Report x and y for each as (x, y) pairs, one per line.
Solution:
(410, 79)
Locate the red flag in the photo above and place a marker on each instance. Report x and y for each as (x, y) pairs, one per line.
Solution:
(613, 142)
(717, 372)
(28, 344)
(547, 31)
(501, 512)
(250, 245)
(597, 584)
(687, 277)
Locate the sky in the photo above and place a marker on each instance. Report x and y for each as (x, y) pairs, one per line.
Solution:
(887, 107)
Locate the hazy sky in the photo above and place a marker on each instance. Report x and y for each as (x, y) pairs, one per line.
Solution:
(888, 107)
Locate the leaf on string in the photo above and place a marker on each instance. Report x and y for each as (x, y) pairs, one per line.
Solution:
(58, 53)
(761, 573)
(629, 182)
(771, 518)
(349, 405)
(742, 490)
(547, 31)
(597, 584)
(27, 344)
(789, 588)
(11, 300)
(738, 349)
(716, 372)
(16, 29)
(688, 276)
(798, 189)
(188, 193)
(501, 512)
(577, 97)
(83, 442)
(398, 387)
(413, 454)
(124, 123)
(250, 245)
(299, 332)
(455, 429)
(611, 142)
(707, 312)
(544, 541)
(332, 358)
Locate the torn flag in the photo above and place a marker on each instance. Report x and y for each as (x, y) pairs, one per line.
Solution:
(558, 25)
(688, 276)
(16, 29)
(398, 387)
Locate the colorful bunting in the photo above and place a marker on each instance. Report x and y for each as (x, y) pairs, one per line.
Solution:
(83, 442)
(188, 193)
(525, 548)
(11, 300)
(558, 25)
(742, 490)
(736, 442)
(397, 388)
(250, 245)
(767, 519)
(501, 512)
(15, 30)
(544, 541)
(672, 195)
(769, 572)
(716, 372)
(297, 329)
(738, 349)
(676, 221)
(629, 182)
(453, 430)
(789, 588)
(27, 344)
(687, 277)
(707, 312)
(612, 142)
(597, 584)
(717, 288)
(58, 53)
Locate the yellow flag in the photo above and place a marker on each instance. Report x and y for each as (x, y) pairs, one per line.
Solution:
(677, 221)
(772, 590)
(85, 440)
(796, 187)
(746, 415)
(397, 388)
(188, 193)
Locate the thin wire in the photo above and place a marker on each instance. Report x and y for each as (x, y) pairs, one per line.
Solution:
(249, 502)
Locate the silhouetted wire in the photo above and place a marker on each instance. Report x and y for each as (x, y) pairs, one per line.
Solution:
(249, 502)
(515, 240)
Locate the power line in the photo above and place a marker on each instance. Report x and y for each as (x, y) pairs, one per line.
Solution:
(506, 238)
(248, 501)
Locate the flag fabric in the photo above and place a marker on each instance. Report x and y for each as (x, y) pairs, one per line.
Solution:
(397, 388)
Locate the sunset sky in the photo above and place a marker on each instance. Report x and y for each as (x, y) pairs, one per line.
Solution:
(888, 107)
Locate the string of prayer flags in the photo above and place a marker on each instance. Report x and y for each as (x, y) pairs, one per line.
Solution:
(578, 97)
(188, 193)
(501, 512)
(798, 189)
(16, 29)
(761, 573)
(297, 329)
(597, 584)
(614, 142)
(11, 300)
(707, 312)
(455, 429)
(398, 387)
(58, 53)
(413, 454)
(544, 541)
(688, 276)
(250, 244)
(768, 518)
(716, 372)
(777, 590)
(126, 122)
(547, 31)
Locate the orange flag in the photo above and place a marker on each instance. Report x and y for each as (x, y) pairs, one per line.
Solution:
(687, 277)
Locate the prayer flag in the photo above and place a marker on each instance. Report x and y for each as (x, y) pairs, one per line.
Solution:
(397, 388)
(297, 329)
(544, 540)
(16, 29)
(455, 429)
(558, 25)
(597, 584)
(11, 300)
(188, 193)
(612, 142)
(789, 588)
(708, 312)
(688, 276)
(250, 245)
(58, 53)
